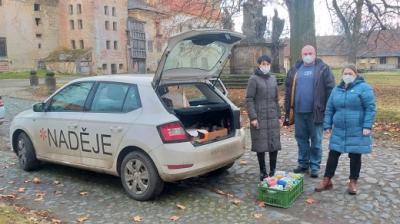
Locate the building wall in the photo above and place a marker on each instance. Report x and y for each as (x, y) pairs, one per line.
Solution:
(374, 63)
(102, 55)
(159, 27)
(27, 42)
(94, 33)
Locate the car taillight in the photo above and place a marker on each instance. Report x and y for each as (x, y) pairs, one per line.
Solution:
(173, 132)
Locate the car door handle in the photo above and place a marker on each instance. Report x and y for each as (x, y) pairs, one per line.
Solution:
(116, 129)
(73, 126)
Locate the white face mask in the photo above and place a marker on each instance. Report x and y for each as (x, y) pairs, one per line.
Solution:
(308, 59)
(348, 78)
(265, 69)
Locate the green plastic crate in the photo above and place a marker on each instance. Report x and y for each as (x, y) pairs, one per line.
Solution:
(279, 198)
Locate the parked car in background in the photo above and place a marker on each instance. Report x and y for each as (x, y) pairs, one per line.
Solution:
(2, 111)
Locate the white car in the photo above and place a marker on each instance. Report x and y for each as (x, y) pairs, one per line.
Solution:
(145, 129)
(2, 111)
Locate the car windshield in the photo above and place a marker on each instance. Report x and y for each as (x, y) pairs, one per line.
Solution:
(188, 54)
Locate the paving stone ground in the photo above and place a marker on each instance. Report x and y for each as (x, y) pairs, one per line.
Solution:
(378, 200)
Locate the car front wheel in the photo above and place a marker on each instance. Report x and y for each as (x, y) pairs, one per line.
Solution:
(26, 153)
(140, 177)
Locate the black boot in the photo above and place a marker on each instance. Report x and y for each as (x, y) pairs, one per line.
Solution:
(261, 163)
(272, 163)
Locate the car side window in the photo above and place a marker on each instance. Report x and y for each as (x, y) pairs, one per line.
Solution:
(109, 98)
(70, 99)
(132, 101)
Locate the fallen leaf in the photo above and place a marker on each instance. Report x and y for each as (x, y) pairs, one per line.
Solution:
(8, 196)
(83, 219)
(38, 199)
(137, 219)
(219, 192)
(56, 221)
(56, 182)
(310, 200)
(11, 182)
(261, 204)
(180, 206)
(229, 195)
(36, 180)
(243, 162)
(174, 218)
(27, 181)
(40, 194)
(83, 193)
(58, 192)
(21, 190)
(236, 201)
(257, 215)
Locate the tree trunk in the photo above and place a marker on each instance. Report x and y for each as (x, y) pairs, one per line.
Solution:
(302, 27)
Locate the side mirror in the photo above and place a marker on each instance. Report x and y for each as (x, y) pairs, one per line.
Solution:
(39, 107)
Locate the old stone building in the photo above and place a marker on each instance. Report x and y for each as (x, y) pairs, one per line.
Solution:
(76, 36)
(152, 22)
(28, 32)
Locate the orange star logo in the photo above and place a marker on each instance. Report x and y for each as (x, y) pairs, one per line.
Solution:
(43, 134)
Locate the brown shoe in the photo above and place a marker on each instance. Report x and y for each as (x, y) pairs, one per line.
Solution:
(324, 185)
(352, 187)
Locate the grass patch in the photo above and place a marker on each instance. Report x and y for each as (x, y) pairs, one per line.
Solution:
(25, 74)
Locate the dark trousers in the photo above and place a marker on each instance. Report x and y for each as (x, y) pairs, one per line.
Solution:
(333, 159)
(272, 161)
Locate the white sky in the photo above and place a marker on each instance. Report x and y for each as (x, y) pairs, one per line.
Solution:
(323, 24)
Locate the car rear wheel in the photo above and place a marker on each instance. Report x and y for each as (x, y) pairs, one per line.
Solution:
(140, 177)
(26, 153)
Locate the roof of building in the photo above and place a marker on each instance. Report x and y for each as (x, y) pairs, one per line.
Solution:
(384, 43)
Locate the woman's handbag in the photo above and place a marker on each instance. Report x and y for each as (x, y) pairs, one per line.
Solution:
(292, 95)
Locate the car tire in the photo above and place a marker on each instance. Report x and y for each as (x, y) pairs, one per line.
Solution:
(26, 153)
(139, 176)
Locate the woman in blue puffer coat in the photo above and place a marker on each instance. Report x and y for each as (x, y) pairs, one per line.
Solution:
(349, 116)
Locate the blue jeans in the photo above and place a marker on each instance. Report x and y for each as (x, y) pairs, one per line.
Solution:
(309, 155)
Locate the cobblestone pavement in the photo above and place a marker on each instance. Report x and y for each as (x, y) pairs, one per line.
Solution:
(378, 200)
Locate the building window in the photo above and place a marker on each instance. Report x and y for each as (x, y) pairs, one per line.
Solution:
(36, 7)
(1, 2)
(114, 25)
(104, 67)
(115, 45)
(80, 24)
(114, 11)
(150, 46)
(3, 47)
(73, 45)
(79, 9)
(71, 24)
(81, 44)
(108, 44)
(159, 46)
(38, 21)
(382, 60)
(39, 45)
(106, 10)
(71, 9)
(107, 25)
(121, 66)
(38, 35)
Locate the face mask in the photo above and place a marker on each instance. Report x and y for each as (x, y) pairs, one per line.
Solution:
(308, 59)
(347, 78)
(265, 69)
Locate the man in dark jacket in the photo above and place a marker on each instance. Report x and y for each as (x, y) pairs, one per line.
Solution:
(313, 85)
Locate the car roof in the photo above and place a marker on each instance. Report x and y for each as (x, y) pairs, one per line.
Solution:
(140, 79)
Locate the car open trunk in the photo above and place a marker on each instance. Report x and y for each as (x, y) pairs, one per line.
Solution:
(207, 123)
(204, 114)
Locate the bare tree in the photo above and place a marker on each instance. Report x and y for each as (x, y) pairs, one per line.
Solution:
(358, 19)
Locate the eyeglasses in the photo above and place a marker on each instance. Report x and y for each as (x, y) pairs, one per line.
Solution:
(305, 54)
